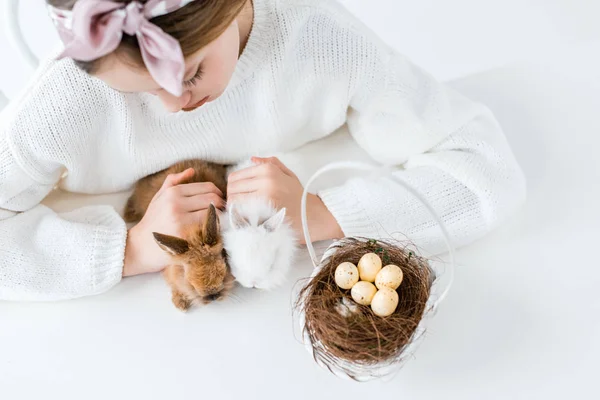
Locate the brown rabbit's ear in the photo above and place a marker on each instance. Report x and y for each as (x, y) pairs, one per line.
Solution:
(210, 232)
(171, 244)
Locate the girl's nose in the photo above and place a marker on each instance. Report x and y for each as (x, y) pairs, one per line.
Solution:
(174, 103)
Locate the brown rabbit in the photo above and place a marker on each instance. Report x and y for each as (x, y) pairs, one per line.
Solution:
(199, 271)
(147, 187)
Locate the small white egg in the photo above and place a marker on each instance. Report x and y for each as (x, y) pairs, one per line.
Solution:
(390, 276)
(368, 267)
(384, 302)
(363, 292)
(346, 275)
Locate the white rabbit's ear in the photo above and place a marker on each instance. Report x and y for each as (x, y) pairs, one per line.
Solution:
(273, 223)
(235, 219)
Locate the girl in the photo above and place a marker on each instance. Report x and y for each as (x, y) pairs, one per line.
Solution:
(143, 84)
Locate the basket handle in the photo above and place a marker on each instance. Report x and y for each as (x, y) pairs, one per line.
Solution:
(378, 172)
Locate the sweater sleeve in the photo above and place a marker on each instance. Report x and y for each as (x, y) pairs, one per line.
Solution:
(448, 148)
(44, 255)
(48, 256)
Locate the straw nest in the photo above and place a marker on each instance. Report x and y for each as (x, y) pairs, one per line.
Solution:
(342, 331)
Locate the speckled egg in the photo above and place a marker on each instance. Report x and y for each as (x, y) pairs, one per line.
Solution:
(346, 275)
(363, 292)
(390, 276)
(368, 267)
(384, 302)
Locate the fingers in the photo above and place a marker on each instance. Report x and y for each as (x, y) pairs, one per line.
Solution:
(174, 190)
(263, 170)
(176, 179)
(195, 218)
(194, 189)
(241, 197)
(201, 202)
(172, 180)
(275, 161)
(246, 173)
(243, 186)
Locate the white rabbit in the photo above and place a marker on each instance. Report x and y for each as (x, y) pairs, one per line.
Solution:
(260, 244)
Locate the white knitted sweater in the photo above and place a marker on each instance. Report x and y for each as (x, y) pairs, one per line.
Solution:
(309, 67)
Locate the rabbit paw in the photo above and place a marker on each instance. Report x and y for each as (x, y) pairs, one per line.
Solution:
(181, 302)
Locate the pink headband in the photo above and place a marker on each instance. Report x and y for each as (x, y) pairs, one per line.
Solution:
(95, 27)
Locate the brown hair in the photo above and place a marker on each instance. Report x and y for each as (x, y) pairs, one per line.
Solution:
(193, 26)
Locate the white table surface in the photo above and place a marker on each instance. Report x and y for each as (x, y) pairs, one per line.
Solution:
(522, 321)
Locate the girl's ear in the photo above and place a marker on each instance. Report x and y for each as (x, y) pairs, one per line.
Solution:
(273, 223)
(171, 244)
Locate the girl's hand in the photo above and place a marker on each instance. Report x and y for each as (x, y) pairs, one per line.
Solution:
(174, 208)
(272, 180)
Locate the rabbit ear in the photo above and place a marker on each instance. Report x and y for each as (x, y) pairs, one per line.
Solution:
(171, 244)
(235, 219)
(273, 223)
(210, 231)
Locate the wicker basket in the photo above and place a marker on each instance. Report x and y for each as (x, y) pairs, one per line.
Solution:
(442, 276)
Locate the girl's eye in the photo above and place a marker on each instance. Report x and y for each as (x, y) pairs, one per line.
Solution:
(195, 78)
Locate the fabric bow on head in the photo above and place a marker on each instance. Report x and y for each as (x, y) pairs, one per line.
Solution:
(94, 28)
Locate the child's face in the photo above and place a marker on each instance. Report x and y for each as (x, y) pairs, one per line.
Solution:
(207, 75)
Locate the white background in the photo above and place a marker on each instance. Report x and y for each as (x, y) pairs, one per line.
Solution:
(523, 318)
(449, 38)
